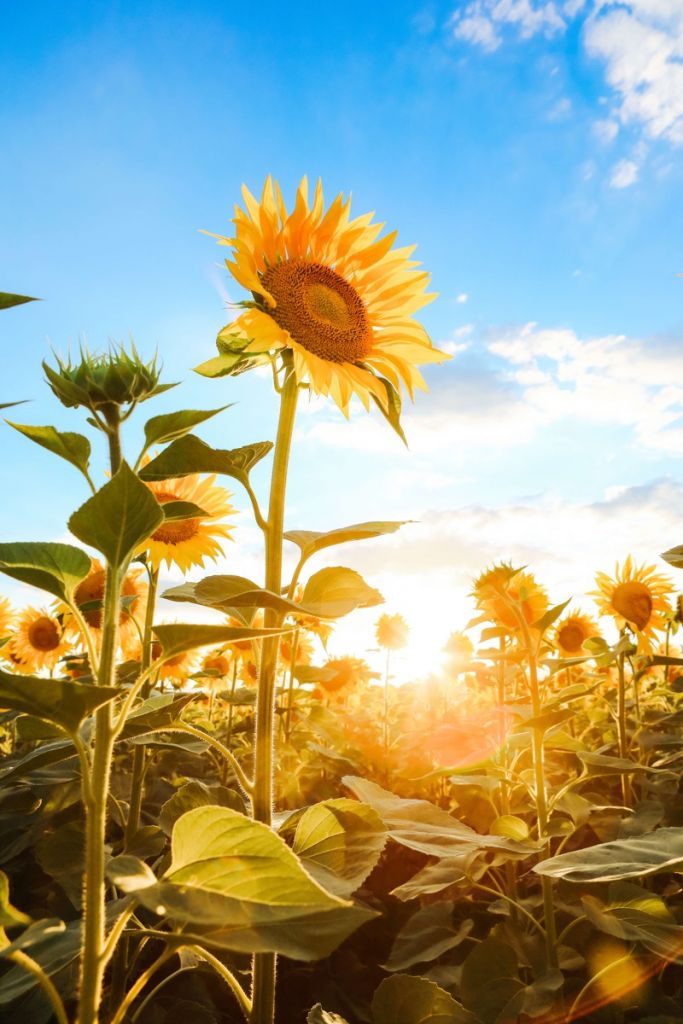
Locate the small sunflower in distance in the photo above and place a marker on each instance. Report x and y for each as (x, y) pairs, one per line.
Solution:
(391, 632)
(39, 641)
(497, 589)
(571, 633)
(636, 597)
(339, 676)
(328, 290)
(188, 542)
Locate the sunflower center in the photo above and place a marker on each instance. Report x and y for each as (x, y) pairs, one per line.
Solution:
(321, 310)
(571, 637)
(43, 634)
(633, 600)
(176, 531)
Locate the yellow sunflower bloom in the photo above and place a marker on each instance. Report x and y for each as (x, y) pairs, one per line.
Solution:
(331, 292)
(391, 632)
(188, 542)
(342, 675)
(7, 617)
(635, 597)
(39, 641)
(494, 590)
(89, 596)
(571, 633)
(302, 650)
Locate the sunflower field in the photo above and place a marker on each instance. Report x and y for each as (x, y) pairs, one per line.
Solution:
(212, 819)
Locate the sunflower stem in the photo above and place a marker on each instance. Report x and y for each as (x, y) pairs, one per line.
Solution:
(622, 728)
(139, 757)
(263, 975)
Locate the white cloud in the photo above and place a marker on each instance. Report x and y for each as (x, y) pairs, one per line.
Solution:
(624, 174)
(462, 298)
(606, 130)
(481, 21)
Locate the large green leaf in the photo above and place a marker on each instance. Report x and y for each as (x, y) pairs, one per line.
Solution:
(340, 842)
(118, 518)
(197, 794)
(189, 455)
(173, 425)
(311, 541)
(410, 1000)
(423, 826)
(624, 858)
(177, 637)
(490, 980)
(335, 591)
(426, 935)
(42, 757)
(75, 448)
(159, 710)
(236, 882)
(7, 299)
(55, 700)
(56, 568)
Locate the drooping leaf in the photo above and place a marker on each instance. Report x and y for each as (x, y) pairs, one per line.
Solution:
(650, 854)
(60, 701)
(42, 757)
(602, 764)
(175, 511)
(339, 841)
(173, 425)
(335, 591)
(436, 877)
(426, 935)
(56, 568)
(189, 455)
(413, 1000)
(392, 412)
(9, 915)
(236, 882)
(75, 448)
(7, 300)
(312, 541)
(118, 517)
(423, 826)
(176, 637)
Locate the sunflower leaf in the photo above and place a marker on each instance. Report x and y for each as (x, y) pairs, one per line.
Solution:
(173, 425)
(414, 1000)
(176, 638)
(118, 517)
(312, 541)
(392, 412)
(7, 299)
(335, 591)
(60, 701)
(650, 854)
(75, 448)
(56, 568)
(175, 511)
(189, 454)
(340, 842)
(674, 556)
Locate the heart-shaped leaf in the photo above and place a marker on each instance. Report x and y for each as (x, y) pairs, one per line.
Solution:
(75, 448)
(173, 425)
(56, 568)
(340, 841)
(189, 455)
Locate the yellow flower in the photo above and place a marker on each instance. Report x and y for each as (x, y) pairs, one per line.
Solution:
(341, 675)
(302, 653)
(391, 632)
(459, 650)
(7, 617)
(498, 587)
(636, 597)
(176, 669)
(187, 542)
(326, 289)
(572, 631)
(39, 641)
(89, 596)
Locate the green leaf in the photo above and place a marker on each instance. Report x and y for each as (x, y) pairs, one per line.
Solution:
(159, 710)
(425, 936)
(197, 794)
(75, 448)
(172, 425)
(176, 638)
(61, 855)
(550, 616)
(42, 757)
(175, 511)
(118, 517)
(60, 701)
(410, 1000)
(236, 882)
(436, 877)
(650, 854)
(602, 764)
(190, 455)
(340, 842)
(129, 874)
(7, 299)
(674, 556)
(511, 826)
(392, 414)
(316, 1015)
(311, 541)
(423, 826)
(489, 979)
(335, 591)
(9, 915)
(56, 568)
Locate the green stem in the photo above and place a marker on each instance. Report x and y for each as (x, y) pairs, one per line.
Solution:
(139, 985)
(263, 978)
(290, 687)
(227, 975)
(231, 709)
(622, 728)
(30, 965)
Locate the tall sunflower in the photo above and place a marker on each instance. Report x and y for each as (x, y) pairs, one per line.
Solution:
(637, 597)
(571, 633)
(39, 641)
(327, 289)
(498, 589)
(391, 632)
(188, 542)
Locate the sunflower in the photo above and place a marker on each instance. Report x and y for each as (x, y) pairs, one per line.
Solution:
(7, 617)
(39, 641)
(187, 542)
(89, 596)
(299, 652)
(339, 676)
(637, 598)
(329, 291)
(391, 632)
(571, 633)
(496, 588)
(178, 669)
(459, 650)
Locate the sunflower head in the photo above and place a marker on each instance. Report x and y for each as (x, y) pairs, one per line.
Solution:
(503, 591)
(571, 633)
(637, 597)
(104, 381)
(392, 632)
(340, 676)
(326, 288)
(459, 650)
(39, 641)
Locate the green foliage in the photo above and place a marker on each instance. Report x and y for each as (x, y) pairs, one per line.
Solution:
(60, 701)
(74, 448)
(339, 842)
(176, 638)
(7, 300)
(414, 1000)
(189, 454)
(625, 858)
(56, 568)
(311, 541)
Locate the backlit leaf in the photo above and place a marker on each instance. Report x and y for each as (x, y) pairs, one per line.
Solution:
(56, 568)
(340, 842)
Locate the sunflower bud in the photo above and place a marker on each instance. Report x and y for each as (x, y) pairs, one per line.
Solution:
(104, 381)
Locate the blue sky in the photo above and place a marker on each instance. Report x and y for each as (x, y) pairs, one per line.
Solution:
(533, 151)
